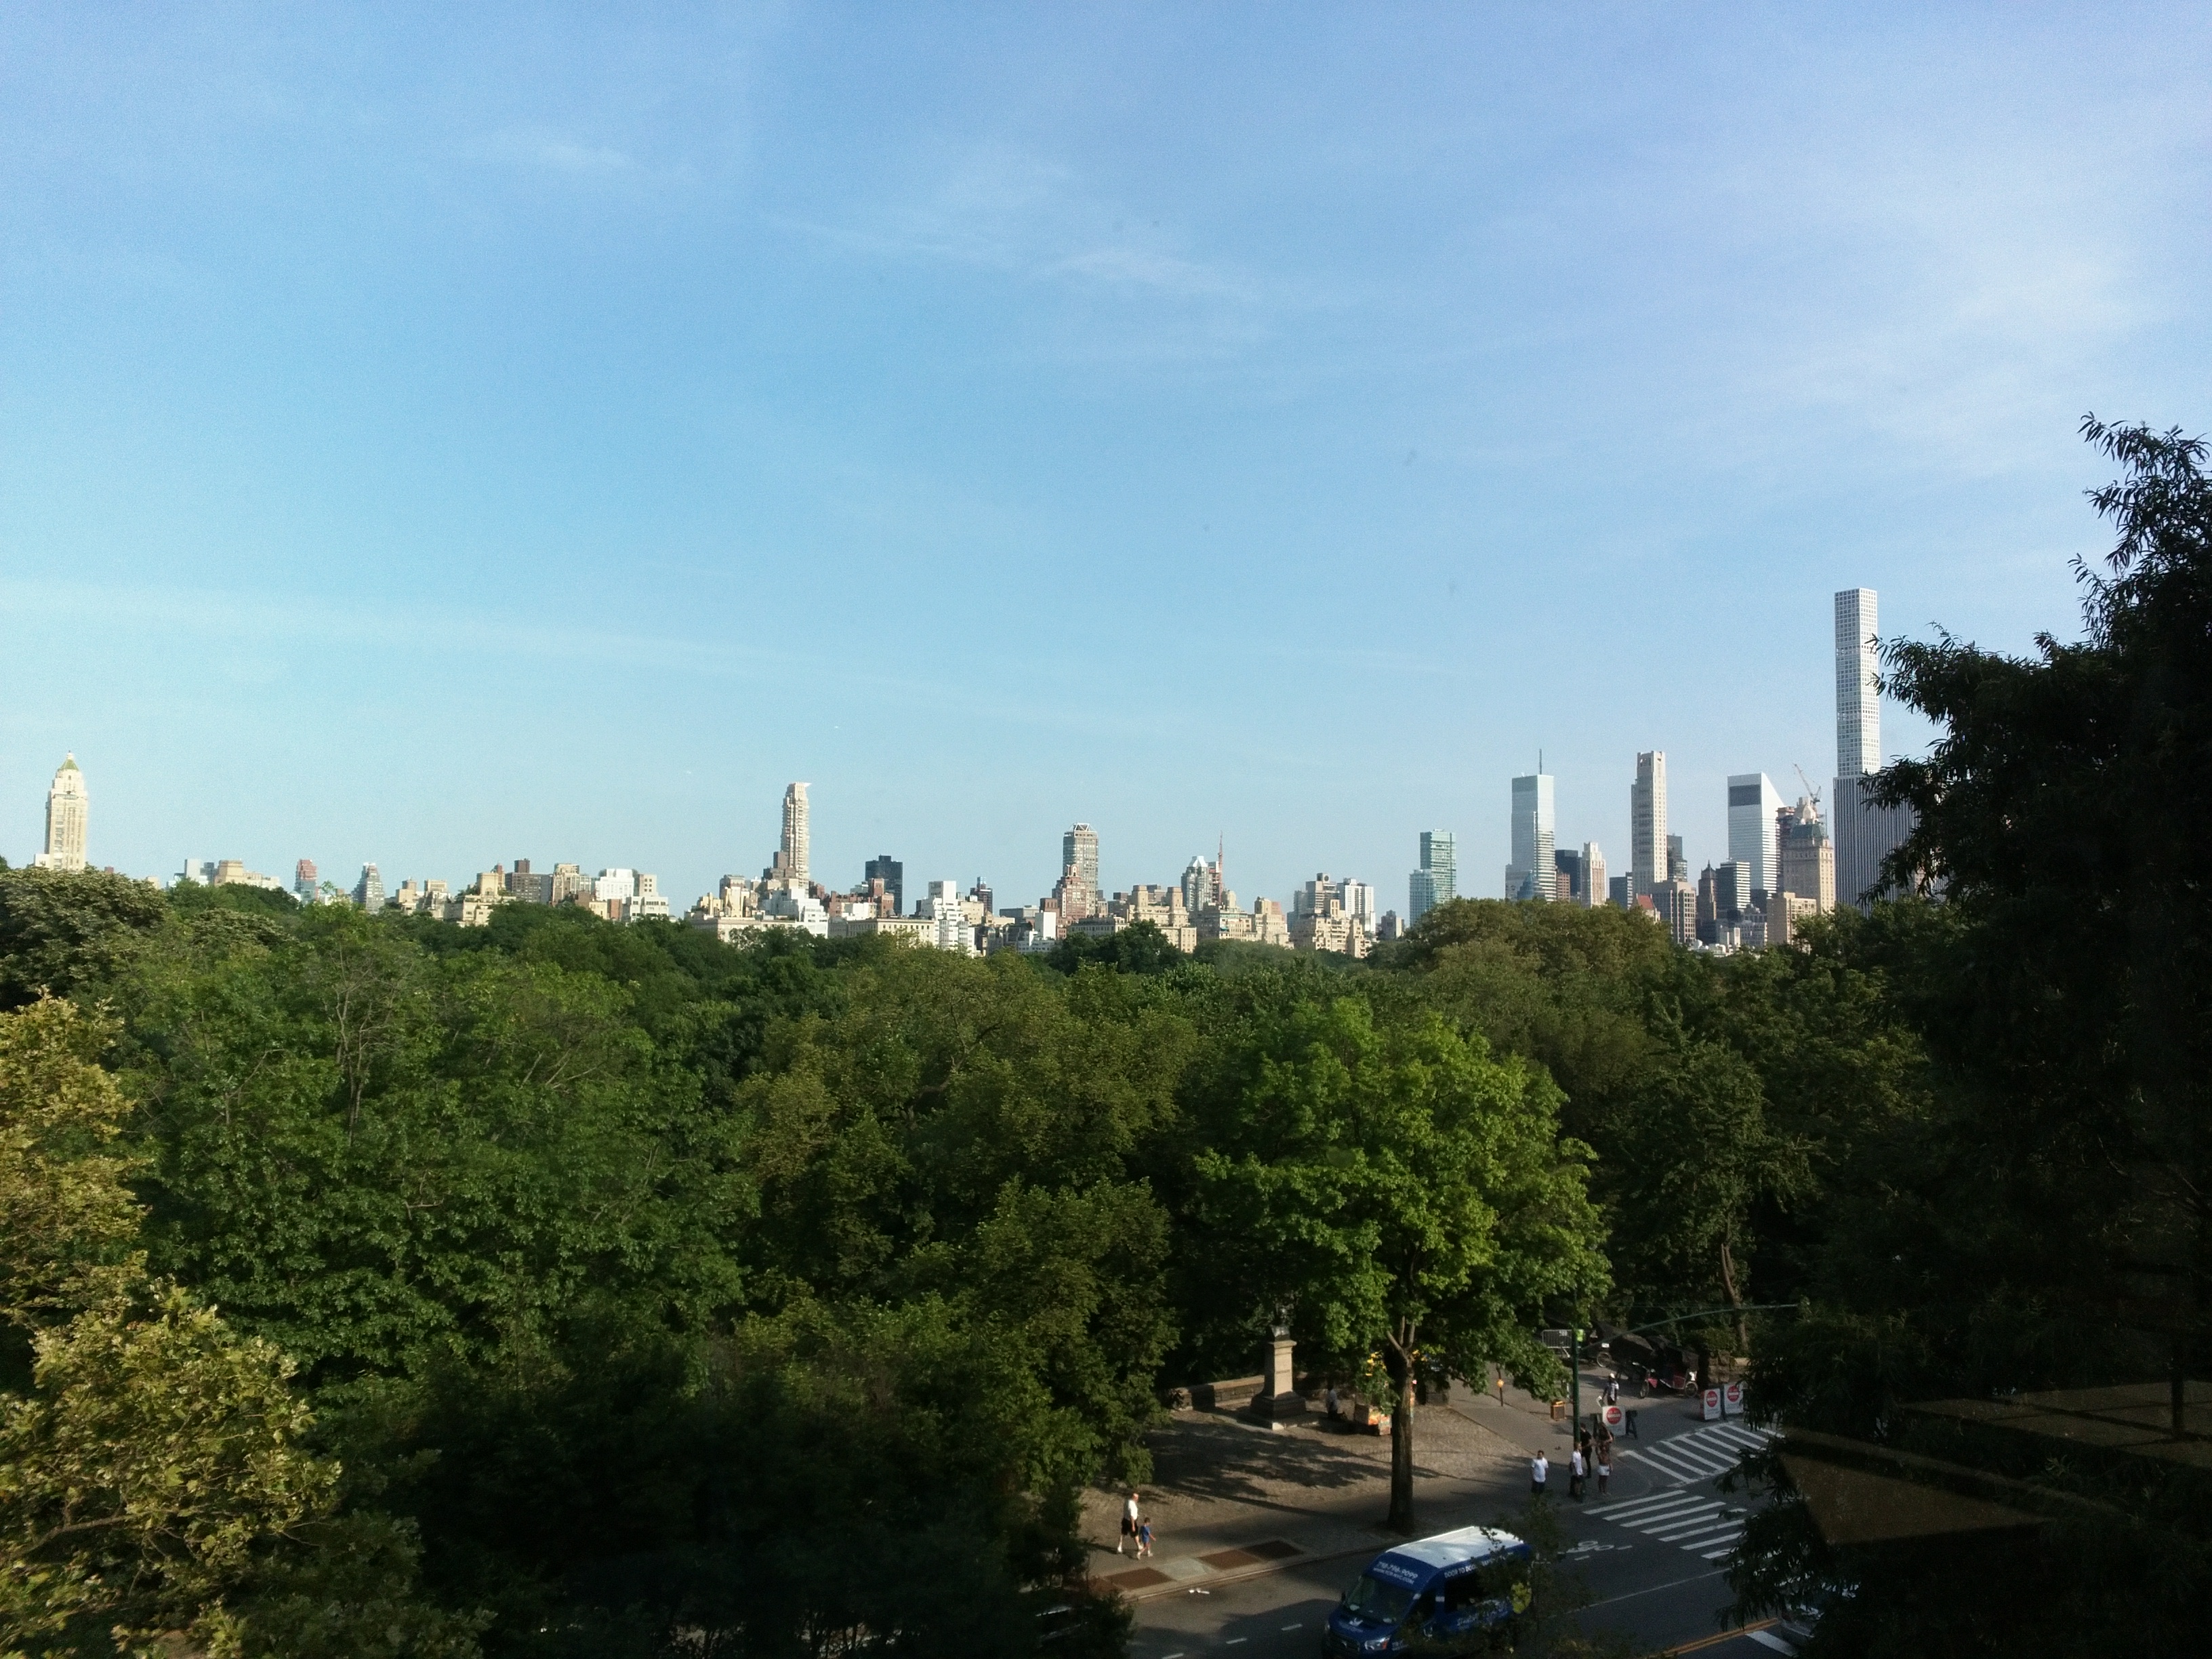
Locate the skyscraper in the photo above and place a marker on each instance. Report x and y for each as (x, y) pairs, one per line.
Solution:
(1865, 834)
(1858, 704)
(66, 805)
(889, 870)
(1530, 876)
(1808, 862)
(304, 884)
(1568, 876)
(368, 891)
(1201, 883)
(1437, 881)
(1595, 891)
(1358, 898)
(1753, 803)
(1647, 823)
(790, 865)
(1078, 857)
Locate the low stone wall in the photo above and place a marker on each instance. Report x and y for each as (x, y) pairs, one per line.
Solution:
(1232, 1394)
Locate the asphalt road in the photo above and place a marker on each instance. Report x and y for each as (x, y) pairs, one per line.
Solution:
(1650, 1559)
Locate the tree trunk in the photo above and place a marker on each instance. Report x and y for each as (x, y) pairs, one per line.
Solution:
(1735, 1302)
(1399, 1364)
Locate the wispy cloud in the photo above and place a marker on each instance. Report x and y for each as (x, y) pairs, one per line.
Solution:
(1004, 209)
(556, 152)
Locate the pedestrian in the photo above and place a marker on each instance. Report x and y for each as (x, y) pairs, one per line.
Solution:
(1575, 1476)
(1128, 1538)
(1604, 1468)
(1144, 1539)
(1539, 1471)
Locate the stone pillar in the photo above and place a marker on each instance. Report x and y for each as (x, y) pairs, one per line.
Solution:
(1279, 1396)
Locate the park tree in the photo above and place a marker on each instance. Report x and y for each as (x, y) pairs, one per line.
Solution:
(1402, 1191)
(63, 931)
(154, 1460)
(1691, 1160)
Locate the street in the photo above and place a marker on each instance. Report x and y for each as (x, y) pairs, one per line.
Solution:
(1650, 1557)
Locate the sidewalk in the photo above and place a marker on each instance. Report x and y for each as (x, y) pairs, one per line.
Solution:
(1232, 1499)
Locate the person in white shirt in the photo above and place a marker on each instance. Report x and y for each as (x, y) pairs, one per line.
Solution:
(1575, 1476)
(1539, 1471)
(1130, 1520)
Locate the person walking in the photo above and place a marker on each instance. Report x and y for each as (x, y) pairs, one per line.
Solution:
(1604, 1468)
(1575, 1476)
(1539, 1471)
(1128, 1538)
(1144, 1539)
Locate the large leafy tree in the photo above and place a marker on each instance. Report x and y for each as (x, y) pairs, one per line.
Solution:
(2045, 1222)
(155, 1462)
(1402, 1191)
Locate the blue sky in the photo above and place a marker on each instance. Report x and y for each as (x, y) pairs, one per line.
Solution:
(445, 435)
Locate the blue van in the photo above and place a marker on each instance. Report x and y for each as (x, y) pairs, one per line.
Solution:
(1456, 1593)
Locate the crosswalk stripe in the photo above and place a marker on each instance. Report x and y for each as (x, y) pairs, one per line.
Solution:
(1700, 1454)
(1695, 1529)
(1707, 1526)
(1698, 1537)
(1647, 1507)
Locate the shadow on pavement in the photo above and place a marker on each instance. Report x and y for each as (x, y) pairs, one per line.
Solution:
(1223, 1459)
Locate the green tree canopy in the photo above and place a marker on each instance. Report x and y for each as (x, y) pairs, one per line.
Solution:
(1401, 1191)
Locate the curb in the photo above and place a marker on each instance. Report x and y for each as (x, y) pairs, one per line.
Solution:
(1712, 1641)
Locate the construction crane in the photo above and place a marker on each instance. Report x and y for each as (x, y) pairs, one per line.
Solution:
(1812, 794)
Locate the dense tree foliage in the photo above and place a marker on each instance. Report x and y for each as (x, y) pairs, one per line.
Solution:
(637, 1291)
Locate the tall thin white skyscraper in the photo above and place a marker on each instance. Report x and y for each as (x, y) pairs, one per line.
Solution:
(1532, 875)
(1647, 822)
(1753, 835)
(67, 807)
(1865, 834)
(1858, 705)
(1593, 885)
(790, 865)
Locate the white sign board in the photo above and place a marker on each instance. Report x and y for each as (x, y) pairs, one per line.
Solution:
(1712, 1404)
(1614, 1417)
(1732, 1399)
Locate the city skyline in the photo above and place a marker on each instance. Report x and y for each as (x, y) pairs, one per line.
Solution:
(1541, 871)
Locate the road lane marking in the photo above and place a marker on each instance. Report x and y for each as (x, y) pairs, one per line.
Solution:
(1672, 1583)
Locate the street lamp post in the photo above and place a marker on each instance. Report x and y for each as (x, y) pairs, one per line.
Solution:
(1575, 1382)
